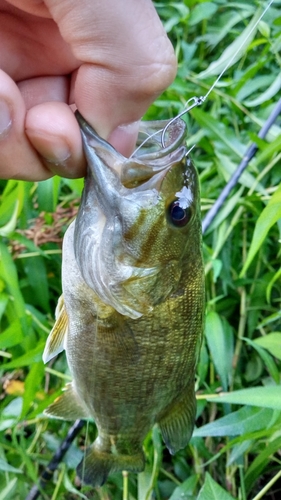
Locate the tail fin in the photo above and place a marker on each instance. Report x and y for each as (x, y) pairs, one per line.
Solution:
(97, 465)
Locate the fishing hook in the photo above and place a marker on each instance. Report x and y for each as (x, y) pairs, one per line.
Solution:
(197, 102)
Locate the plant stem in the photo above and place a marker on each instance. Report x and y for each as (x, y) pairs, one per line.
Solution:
(125, 485)
(267, 486)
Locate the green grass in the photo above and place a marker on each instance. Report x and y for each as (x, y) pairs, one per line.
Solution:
(235, 450)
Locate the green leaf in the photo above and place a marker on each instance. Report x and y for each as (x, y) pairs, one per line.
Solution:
(253, 85)
(265, 397)
(261, 462)
(238, 451)
(186, 490)
(245, 420)
(220, 343)
(218, 131)
(268, 217)
(47, 192)
(75, 185)
(37, 276)
(11, 336)
(267, 359)
(144, 483)
(235, 50)
(202, 11)
(264, 29)
(13, 409)
(213, 491)
(270, 149)
(40, 407)
(4, 466)
(4, 299)
(276, 276)
(6, 492)
(228, 207)
(27, 359)
(16, 236)
(8, 273)
(9, 227)
(271, 318)
(228, 167)
(31, 386)
(271, 342)
(70, 488)
(268, 94)
(12, 197)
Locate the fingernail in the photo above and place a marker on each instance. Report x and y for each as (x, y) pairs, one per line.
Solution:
(60, 153)
(53, 150)
(5, 118)
(124, 137)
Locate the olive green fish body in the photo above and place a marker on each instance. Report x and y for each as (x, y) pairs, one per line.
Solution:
(132, 317)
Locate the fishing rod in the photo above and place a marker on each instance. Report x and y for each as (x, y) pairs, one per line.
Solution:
(250, 153)
(48, 472)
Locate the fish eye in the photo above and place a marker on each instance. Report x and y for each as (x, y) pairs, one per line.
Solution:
(178, 215)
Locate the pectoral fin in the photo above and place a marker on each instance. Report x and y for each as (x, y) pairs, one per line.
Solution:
(68, 406)
(55, 341)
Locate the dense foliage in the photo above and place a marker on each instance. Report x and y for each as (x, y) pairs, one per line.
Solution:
(235, 450)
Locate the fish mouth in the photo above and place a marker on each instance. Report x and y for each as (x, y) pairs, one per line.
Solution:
(117, 190)
(149, 159)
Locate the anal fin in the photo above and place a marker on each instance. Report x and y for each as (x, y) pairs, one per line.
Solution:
(56, 338)
(68, 406)
(177, 423)
(98, 464)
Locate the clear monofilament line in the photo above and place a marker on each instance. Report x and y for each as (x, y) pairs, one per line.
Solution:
(238, 49)
(199, 100)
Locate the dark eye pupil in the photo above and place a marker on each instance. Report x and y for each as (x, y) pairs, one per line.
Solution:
(178, 215)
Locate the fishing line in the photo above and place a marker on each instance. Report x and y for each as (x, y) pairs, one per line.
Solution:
(199, 100)
(238, 50)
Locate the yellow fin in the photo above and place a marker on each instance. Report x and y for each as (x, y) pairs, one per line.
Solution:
(68, 406)
(55, 340)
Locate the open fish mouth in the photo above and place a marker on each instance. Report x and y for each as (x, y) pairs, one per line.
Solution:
(120, 195)
(149, 157)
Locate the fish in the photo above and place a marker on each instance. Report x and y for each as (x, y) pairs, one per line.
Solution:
(131, 315)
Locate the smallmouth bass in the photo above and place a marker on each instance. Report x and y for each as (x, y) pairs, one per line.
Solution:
(131, 315)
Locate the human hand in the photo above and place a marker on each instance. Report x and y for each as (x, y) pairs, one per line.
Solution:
(110, 58)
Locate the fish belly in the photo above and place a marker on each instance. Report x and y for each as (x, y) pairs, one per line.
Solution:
(129, 374)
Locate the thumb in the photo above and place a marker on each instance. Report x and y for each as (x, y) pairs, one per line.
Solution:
(126, 60)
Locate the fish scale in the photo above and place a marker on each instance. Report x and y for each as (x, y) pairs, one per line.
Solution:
(131, 316)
